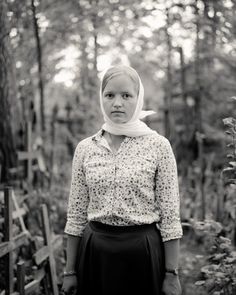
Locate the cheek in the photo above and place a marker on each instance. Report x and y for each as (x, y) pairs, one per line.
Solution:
(107, 107)
(105, 104)
(132, 106)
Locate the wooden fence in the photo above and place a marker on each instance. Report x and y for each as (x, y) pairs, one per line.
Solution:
(44, 271)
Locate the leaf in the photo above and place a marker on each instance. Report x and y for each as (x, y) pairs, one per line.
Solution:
(218, 257)
(230, 145)
(200, 283)
(229, 121)
(230, 156)
(225, 240)
(224, 246)
(205, 268)
(219, 274)
(229, 174)
(228, 169)
(233, 164)
(228, 132)
(230, 260)
(210, 268)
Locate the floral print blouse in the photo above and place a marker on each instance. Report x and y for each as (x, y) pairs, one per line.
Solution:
(138, 184)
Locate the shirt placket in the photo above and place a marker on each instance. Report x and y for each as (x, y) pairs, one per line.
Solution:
(115, 161)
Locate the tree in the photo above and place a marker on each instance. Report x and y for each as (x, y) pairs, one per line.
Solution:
(40, 65)
(9, 112)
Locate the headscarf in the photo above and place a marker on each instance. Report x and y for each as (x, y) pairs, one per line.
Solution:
(134, 127)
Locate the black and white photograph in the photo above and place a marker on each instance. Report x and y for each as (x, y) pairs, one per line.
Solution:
(117, 147)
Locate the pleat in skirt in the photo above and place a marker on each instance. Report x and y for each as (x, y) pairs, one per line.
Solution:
(120, 260)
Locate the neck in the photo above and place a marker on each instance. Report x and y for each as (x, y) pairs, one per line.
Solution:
(114, 137)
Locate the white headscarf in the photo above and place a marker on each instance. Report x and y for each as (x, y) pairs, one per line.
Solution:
(134, 127)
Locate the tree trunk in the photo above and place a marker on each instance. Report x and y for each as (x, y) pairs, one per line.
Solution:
(198, 110)
(186, 118)
(7, 99)
(168, 95)
(40, 66)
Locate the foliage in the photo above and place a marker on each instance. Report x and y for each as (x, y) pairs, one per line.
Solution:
(230, 171)
(219, 275)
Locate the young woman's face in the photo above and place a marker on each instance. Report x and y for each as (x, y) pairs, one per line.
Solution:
(120, 98)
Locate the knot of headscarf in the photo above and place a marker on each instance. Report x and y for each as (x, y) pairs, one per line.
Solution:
(134, 127)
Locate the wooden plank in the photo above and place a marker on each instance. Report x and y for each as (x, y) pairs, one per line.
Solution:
(16, 242)
(8, 238)
(47, 238)
(41, 255)
(16, 170)
(16, 214)
(21, 277)
(34, 285)
(20, 239)
(23, 155)
(46, 281)
(29, 149)
(19, 212)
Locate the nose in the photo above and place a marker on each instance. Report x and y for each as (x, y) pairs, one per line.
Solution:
(117, 101)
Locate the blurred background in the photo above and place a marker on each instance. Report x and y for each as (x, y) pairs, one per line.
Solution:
(52, 55)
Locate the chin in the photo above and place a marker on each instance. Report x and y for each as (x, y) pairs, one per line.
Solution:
(119, 121)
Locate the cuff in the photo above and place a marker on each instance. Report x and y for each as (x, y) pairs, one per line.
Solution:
(74, 230)
(171, 233)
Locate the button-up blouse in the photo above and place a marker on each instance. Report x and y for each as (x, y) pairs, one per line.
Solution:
(138, 184)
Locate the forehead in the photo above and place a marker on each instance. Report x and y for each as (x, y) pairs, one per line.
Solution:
(121, 82)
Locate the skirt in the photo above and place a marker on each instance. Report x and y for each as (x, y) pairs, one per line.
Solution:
(120, 260)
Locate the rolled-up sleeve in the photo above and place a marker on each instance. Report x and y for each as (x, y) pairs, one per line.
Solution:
(78, 197)
(167, 193)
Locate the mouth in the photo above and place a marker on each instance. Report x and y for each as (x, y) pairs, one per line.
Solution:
(117, 112)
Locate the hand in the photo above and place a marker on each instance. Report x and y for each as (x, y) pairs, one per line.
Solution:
(171, 285)
(69, 286)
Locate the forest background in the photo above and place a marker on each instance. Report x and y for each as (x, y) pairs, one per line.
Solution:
(52, 56)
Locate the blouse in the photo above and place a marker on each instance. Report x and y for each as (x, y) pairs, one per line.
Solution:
(136, 185)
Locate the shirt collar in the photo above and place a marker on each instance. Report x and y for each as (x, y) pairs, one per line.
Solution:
(98, 136)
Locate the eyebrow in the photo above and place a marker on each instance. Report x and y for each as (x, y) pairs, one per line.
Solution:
(111, 91)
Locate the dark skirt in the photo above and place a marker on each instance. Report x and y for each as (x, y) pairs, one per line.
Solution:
(120, 260)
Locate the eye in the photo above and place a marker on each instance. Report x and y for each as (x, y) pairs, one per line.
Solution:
(109, 95)
(126, 95)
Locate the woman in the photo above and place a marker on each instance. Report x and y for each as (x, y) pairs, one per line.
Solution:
(123, 221)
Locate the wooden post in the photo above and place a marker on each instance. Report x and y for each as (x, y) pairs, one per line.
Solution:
(28, 155)
(19, 212)
(200, 138)
(47, 239)
(8, 238)
(184, 90)
(53, 131)
(21, 278)
(10, 243)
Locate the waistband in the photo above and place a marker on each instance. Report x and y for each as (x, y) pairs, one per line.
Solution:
(107, 228)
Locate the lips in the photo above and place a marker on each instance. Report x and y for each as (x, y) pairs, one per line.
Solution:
(117, 112)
